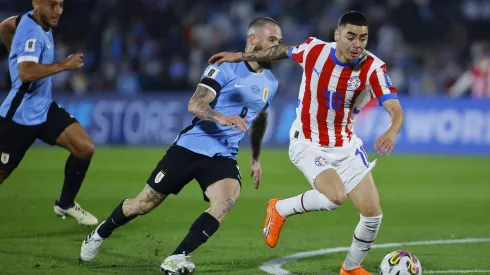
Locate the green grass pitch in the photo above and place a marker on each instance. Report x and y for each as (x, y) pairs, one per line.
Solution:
(423, 198)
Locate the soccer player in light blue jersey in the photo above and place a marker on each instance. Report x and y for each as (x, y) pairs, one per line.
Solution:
(229, 99)
(29, 112)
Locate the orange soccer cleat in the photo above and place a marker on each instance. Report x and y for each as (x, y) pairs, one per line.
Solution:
(273, 223)
(356, 271)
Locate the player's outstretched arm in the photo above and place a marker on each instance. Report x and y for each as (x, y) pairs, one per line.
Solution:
(7, 29)
(199, 107)
(273, 53)
(385, 143)
(31, 71)
(257, 131)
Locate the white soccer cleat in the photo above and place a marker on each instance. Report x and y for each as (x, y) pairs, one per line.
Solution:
(91, 246)
(78, 213)
(177, 265)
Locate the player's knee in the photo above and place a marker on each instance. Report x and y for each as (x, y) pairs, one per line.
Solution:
(229, 203)
(222, 206)
(324, 203)
(372, 212)
(332, 187)
(86, 150)
(136, 207)
(336, 197)
(145, 207)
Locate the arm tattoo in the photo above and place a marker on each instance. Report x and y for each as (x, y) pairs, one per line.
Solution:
(199, 104)
(257, 132)
(273, 53)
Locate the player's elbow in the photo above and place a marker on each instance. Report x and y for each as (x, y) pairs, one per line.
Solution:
(24, 75)
(192, 108)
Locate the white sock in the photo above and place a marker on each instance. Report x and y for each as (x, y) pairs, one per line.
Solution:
(364, 236)
(309, 201)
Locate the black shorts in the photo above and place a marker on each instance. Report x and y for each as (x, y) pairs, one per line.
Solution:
(15, 139)
(179, 166)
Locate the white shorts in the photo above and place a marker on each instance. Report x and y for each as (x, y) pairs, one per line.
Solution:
(351, 163)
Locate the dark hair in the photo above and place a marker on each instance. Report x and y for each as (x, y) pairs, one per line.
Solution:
(353, 18)
(261, 21)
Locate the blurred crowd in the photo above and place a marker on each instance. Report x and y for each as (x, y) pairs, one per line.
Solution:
(135, 46)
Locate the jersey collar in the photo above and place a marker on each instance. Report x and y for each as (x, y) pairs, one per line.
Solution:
(30, 16)
(338, 62)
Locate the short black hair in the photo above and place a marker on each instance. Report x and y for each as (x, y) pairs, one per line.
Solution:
(354, 18)
(261, 21)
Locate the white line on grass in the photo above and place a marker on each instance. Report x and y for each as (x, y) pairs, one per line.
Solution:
(455, 271)
(274, 266)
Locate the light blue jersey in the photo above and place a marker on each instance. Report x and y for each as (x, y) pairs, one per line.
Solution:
(28, 103)
(239, 91)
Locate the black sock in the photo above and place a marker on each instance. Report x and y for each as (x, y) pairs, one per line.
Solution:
(201, 230)
(75, 170)
(115, 220)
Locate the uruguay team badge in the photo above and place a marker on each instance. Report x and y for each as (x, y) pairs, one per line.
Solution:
(265, 95)
(159, 177)
(354, 83)
(5, 157)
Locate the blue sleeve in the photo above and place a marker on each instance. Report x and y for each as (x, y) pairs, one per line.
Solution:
(29, 44)
(290, 52)
(386, 97)
(220, 74)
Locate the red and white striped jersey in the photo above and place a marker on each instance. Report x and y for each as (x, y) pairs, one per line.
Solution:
(332, 93)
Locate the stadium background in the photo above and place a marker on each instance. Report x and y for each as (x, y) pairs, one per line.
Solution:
(143, 59)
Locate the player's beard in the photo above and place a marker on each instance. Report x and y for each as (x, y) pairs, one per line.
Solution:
(45, 21)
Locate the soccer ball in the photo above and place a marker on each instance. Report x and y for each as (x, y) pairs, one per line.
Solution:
(400, 263)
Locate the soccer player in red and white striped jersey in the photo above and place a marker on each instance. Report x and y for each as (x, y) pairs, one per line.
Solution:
(339, 78)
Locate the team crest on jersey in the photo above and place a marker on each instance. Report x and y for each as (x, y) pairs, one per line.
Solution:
(159, 177)
(5, 157)
(354, 83)
(265, 95)
(321, 161)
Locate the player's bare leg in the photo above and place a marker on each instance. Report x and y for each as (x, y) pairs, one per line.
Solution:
(76, 140)
(365, 197)
(147, 200)
(222, 196)
(328, 195)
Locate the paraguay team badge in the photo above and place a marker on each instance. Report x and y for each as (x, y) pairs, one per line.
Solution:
(354, 83)
(321, 161)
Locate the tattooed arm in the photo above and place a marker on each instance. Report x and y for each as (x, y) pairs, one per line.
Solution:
(273, 53)
(199, 104)
(257, 131)
(199, 107)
